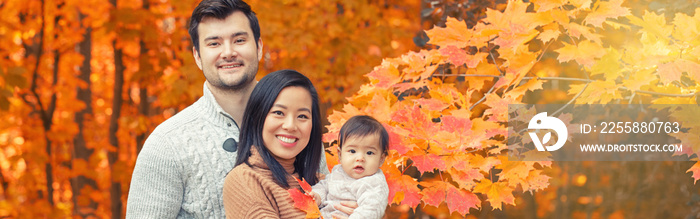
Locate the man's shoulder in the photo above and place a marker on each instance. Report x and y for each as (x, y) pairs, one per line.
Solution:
(179, 121)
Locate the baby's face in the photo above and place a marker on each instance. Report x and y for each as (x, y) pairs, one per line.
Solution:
(361, 156)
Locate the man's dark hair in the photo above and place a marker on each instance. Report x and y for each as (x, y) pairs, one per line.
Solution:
(361, 126)
(220, 9)
(261, 100)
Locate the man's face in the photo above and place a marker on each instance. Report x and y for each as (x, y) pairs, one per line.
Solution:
(228, 54)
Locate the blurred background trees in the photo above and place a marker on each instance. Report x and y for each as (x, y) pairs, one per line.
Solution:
(82, 84)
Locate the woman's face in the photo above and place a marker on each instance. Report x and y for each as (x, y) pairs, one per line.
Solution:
(288, 124)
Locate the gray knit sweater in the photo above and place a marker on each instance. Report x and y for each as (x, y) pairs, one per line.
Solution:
(370, 192)
(180, 171)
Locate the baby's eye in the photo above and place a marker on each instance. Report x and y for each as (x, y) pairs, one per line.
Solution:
(370, 152)
(351, 151)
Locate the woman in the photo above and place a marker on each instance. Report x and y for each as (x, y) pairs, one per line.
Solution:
(280, 138)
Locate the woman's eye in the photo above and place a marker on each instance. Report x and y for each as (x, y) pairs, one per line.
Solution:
(279, 113)
(303, 116)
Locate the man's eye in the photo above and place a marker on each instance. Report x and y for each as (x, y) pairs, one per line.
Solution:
(239, 40)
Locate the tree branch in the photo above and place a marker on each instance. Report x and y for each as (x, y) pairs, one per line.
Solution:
(580, 80)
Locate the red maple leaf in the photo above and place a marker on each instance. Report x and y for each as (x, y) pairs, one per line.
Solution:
(304, 201)
(460, 200)
(428, 162)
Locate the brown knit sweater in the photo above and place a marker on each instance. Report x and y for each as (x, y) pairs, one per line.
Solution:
(251, 192)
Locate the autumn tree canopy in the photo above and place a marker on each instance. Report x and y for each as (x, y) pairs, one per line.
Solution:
(82, 84)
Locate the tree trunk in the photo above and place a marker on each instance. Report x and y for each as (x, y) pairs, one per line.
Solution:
(144, 107)
(113, 156)
(81, 151)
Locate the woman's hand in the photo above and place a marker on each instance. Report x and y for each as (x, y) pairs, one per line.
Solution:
(346, 207)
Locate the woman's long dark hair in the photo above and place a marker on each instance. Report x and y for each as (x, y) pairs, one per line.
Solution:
(261, 100)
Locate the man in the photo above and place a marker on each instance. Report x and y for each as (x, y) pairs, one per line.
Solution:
(180, 171)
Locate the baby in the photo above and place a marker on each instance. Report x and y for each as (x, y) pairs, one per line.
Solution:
(362, 148)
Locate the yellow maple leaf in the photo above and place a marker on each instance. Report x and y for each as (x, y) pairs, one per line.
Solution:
(605, 10)
(584, 53)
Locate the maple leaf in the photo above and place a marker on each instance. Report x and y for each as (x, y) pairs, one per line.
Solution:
(549, 32)
(696, 171)
(483, 163)
(584, 53)
(433, 192)
(428, 162)
(431, 104)
(460, 200)
(304, 201)
(669, 72)
(456, 55)
(499, 107)
(609, 65)
(546, 5)
(605, 10)
(403, 189)
(455, 34)
(497, 193)
(535, 181)
(638, 79)
(384, 77)
(465, 178)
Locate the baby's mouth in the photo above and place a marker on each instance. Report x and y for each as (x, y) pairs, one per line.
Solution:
(359, 169)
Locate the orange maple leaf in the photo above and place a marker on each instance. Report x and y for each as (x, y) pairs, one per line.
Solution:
(304, 201)
(455, 55)
(497, 193)
(455, 33)
(402, 188)
(696, 171)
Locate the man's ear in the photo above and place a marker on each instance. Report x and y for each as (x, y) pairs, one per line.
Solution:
(260, 49)
(197, 58)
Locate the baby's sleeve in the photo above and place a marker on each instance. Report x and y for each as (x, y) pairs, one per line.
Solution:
(321, 188)
(373, 197)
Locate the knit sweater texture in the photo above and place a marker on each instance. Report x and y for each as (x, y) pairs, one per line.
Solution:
(180, 171)
(251, 191)
(370, 192)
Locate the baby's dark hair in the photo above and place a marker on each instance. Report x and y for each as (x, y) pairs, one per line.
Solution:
(362, 125)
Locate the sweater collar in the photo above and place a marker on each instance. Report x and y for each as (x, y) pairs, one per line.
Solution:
(256, 160)
(213, 110)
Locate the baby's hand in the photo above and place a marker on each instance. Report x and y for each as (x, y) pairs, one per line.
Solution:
(317, 198)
